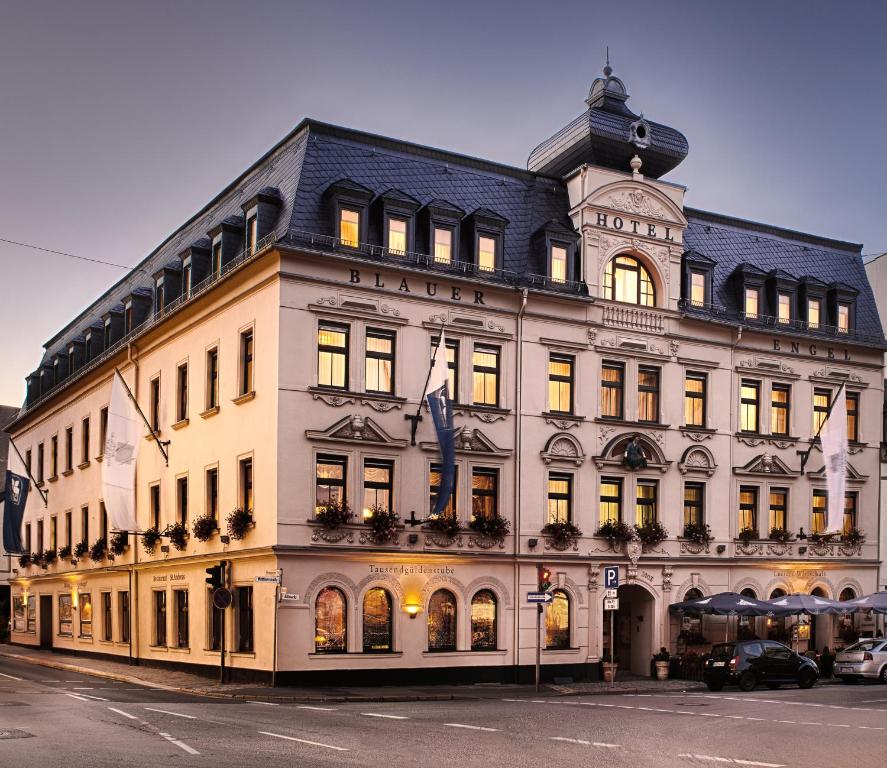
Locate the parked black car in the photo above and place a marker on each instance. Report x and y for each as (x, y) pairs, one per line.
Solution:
(751, 662)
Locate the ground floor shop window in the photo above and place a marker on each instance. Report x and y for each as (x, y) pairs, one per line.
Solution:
(330, 621)
(85, 614)
(377, 625)
(123, 614)
(180, 600)
(442, 621)
(66, 625)
(19, 614)
(107, 626)
(557, 621)
(483, 621)
(245, 619)
(216, 620)
(160, 618)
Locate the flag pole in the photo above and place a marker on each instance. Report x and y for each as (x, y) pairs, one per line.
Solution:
(805, 456)
(161, 444)
(416, 417)
(43, 494)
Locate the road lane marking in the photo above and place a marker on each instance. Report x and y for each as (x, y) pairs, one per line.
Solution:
(180, 744)
(318, 709)
(604, 744)
(11, 677)
(303, 741)
(77, 689)
(79, 697)
(266, 703)
(389, 717)
(870, 727)
(837, 725)
(733, 761)
(167, 712)
(121, 712)
(90, 696)
(570, 741)
(864, 701)
(470, 727)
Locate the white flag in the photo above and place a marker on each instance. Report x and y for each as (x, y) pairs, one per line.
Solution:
(124, 433)
(440, 372)
(833, 438)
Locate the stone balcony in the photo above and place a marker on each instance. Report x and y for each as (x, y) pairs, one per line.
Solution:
(634, 318)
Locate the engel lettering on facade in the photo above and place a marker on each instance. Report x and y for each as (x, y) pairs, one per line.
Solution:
(420, 287)
(408, 570)
(798, 348)
(634, 227)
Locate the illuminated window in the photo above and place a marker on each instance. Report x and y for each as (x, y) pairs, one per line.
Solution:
(349, 227)
(752, 300)
(694, 499)
(627, 280)
(611, 500)
(646, 506)
(558, 263)
(486, 375)
(330, 621)
(843, 318)
(332, 356)
(748, 509)
(483, 621)
(821, 401)
(452, 352)
(820, 510)
(66, 615)
(397, 236)
(377, 486)
(853, 416)
(484, 493)
(850, 500)
(780, 407)
(379, 361)
(612, 378)
(486, 253)
(560, 497)
(443, 244)
(377, 626)
(85, 606)
(557, 621)
(694, 399)
(449, 511)
(784, 308)
(330, 480)
(814, 308)
(750, 398)
(648, 394)
(560, 383)
(697, 288)
(778, 509)
(442, 621)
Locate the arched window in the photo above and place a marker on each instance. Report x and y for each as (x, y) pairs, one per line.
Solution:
(377, 621)
(442, 621)
(848, 593)
(693, 594)
(749, 592)
(330, 621)
(483, 621)
(778, 592)
(626, 279)
(557, 621)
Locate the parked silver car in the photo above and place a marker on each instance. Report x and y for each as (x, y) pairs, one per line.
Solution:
(867, 659)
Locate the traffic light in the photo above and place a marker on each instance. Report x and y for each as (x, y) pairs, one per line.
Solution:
(544, 578)
(214, 576)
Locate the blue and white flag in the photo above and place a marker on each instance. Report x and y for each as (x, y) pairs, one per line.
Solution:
(441, 407)
(15, 496)
(833, 440)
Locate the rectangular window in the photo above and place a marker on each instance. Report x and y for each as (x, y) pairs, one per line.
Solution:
(749, 406)
(332, 355)
(127, 317)
(212, 378)
(103, 522)
(821, 401)
(28, 541)
(246, 362)
(814, 310)
(612, 383)
(486, 253)
(66, 615)
(84, 441)
(694, 399)
(87, 347)
(216, 266)
(154, 495)
(54, 456)
(160, 618)
(853, 416)
(53, 533)
(154, 407)
(28, 460)
(449, 511)
(84, 525)
(349, 227)
(397, 236)
(246, 484)
(648, 394)
(751, 302)
(748, 509)
(69, 530)
(106, 338)
(186, 278)
(69, 449)
(560, 383)
(330, 480)
(452, 352)
(697, 288)
(850, 503)
(778, 509)
(182, 500)
(251, 234)
(484, 493)
(19, 613)
(158, 308)
(443, 245)
(611, 500)
(212, 493)
(784, 308)
(123, 616)
(107, 620)
(780, 409)
(694, 500)
(103, 429)
(646, 506)
(379, 361)
(216, 621)
(39, 548)
(486, 375)
(560, 497)
(85, 606)
(843, 318)
(180, 605)
(819, 511)
(41, 461)
(378, 486)
(182, 392)
(558, 263)
(245, 619)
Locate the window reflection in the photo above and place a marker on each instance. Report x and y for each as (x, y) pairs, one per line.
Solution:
(377, 635)
(557, 621)
(483, 621)
(330, 618)
(442, 621)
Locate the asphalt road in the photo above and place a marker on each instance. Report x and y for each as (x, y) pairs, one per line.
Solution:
(76, 720)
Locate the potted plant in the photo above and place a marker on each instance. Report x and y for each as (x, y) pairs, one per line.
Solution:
(494, 527)
(853, 536)
(65, 552)
(178, 536)
(617, 532)
(149, 540)
(204, 527)
(563, 533)
(698, 533)
(448, 526)
(610, 663)
(331, 514)
(81, 549)
(99, 550)
(49, 557)
(651, 533)
(239, 522)
(383, 523)
(119, 542)
(24, 560)
(780, 534)
(662, 660)
(748, 534)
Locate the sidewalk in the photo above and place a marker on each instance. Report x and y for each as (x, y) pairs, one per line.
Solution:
(185, 682)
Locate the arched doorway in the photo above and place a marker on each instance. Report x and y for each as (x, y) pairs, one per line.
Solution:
(819, 625)
(847, 633)
(746, 627)
(776, 629)
(635, 628)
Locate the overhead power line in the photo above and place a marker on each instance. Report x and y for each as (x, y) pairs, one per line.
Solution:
(63, 253)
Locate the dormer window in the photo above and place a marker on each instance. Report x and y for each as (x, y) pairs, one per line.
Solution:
(127, 317)
(158, 296)
(252, 225)
(814, 312)
(87, 352)
(397, 236)
(443, 245)
(486, 253)
(629, 281)
(843, 318)
(71, 360)
(697, 288)
(752, 303)
(784, 308)
(216, 259)
(558, 270)
(107, 333)
(487, 229)
(186, 278)
(842, 306)
(349, 227)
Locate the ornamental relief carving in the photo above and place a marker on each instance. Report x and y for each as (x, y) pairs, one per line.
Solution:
(486, 418)
(485, 542)
(561, 423)
(694, 548)
(698, 437)
(335, 401)
(561, 546)
(636, 202)
(382, 406)
(749, 548)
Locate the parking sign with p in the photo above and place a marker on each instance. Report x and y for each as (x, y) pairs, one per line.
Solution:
(611, 576)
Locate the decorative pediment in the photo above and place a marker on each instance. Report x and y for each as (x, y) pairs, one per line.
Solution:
(563, 448)
(765, 365)
(646, 448)
(356, 429)
(697, 459)
(471, 441)
(637, 199)
(766, 465)
(853, 474)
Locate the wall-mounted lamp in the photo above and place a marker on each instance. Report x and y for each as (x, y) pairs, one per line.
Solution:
(802, 550)
(531, 543)
(413, 538)
(722, 548)
(412, 609)
(164, 548)
(25, 599)
(225, 539)
(74, 598)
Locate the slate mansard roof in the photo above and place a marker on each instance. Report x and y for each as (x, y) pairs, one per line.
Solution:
(315, 155)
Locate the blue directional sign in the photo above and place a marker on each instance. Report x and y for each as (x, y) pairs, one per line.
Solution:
(611, 576)
(539, 597)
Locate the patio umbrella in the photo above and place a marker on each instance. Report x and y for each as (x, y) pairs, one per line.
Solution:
(810, 604)
(877, 602)
(729, 604)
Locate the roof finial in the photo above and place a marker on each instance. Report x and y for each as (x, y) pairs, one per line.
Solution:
(608, 70)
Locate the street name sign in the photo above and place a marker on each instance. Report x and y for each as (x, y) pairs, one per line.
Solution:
(268, 579)
(289, 596)
(539, 597)
(611, 603)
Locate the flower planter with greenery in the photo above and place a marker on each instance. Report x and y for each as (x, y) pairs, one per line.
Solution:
(662, 661)
(149, 540)
(178, 536)
(49, 557)
(494, 527)
(617, 532)
(65, 552)
(99, 550)
(239, 522)
(748, 534)
(24, 560)
(333, 514)
(81, 549)
(698, 533)
(853, 536)
(563, 534)
(448, 526)
(651, 534)
(383, 523)
(119, 543)
(204, 527)
(781, 535)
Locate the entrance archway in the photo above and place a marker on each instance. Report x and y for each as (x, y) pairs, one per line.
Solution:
(635, 627)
